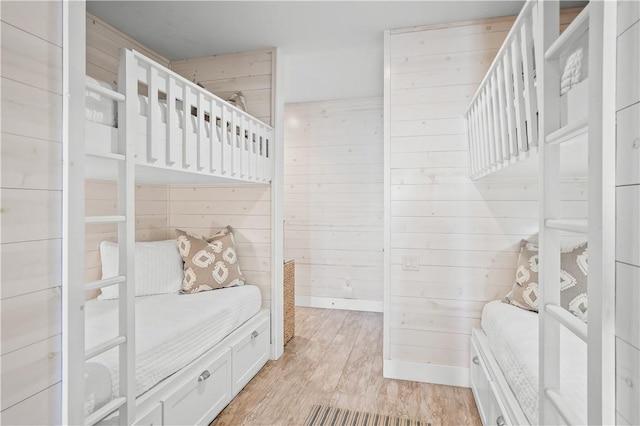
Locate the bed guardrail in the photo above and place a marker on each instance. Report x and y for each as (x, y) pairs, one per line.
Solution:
(190, 129)
(502, 119)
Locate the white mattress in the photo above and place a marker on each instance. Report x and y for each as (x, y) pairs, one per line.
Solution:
(172, 330)
(513, 337)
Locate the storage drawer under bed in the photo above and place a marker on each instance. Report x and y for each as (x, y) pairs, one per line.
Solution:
(208, 388)
(249, 353)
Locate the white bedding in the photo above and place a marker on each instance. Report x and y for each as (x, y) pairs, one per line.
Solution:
(172, 330)
(513, 338)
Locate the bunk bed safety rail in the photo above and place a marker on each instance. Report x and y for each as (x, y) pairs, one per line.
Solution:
(191, 129)
(502, 121)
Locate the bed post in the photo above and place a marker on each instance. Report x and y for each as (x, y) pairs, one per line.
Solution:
(277, 225)
(73, 211)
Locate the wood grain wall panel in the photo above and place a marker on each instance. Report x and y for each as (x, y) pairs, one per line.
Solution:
(31, 199)
(333, 195)
(247, 208)
(248, 72)
(463, 236)
(103, 49)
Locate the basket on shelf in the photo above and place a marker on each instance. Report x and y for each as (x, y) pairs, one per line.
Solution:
(289, 300)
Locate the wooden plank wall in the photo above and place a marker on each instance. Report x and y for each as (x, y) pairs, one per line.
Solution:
(333, 200)
(205, 209)
(464, 235)
(103, 49)
(31, 197)
(249, 72)
(101, 199)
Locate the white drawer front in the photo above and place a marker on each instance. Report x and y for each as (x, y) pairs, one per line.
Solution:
(152, 418)
(628, 224)
(480, 383)
(203, 396)
(628, 381)
(250, 353)
(628, 64)
(628, 146)
(627, 302)
(628, 14)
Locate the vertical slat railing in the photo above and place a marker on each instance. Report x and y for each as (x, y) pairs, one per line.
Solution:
(518, 98)
(497, 141)
(504, 137)
(202, 133)
(493, 157)
(187, 161)
(531, 105)
(509, 94)
(152, 124)
(170, 122)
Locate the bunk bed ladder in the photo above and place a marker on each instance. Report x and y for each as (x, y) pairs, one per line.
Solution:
(125, 220)
(553, 407)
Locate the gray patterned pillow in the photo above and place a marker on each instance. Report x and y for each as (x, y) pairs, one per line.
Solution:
(573, 280)
(209, 264)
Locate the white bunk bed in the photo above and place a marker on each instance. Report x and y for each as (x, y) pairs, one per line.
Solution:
(550, 367)
(174, 372)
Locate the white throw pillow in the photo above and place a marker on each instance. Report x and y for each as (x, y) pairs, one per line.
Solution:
(158, 268)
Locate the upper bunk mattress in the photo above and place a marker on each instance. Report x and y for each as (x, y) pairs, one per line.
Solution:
(513, 338)
(172, 330)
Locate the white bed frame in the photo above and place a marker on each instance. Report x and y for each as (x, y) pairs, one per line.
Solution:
(496, 127)
(220, 144)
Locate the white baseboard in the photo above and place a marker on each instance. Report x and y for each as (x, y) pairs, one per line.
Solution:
(337, 303)
(428, 373)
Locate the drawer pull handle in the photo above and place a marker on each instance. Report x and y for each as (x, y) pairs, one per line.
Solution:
(204, 376)
(500, 421)
(628, 382)
(476, 360)
(254, 334)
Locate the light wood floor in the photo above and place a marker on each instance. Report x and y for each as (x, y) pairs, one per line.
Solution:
(335, 358)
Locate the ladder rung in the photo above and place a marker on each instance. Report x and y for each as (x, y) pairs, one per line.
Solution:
(566, 318)
(561, 406)
(111, 94)
(108, 155)
(94, 285)
(579, 226)
(104, 411)
(575, 29)
(104, 219)
(109, 344)
(568, 132)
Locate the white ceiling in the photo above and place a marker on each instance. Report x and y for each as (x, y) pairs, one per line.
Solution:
(187, 29)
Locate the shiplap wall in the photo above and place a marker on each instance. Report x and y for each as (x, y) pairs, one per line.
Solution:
(101, 199)
(333, 202)
(203, 210)
(103, 50)
(628, 215)
(464, 235)
(248, 72)
(31, 197)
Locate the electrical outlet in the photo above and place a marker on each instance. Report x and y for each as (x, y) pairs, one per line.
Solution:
(410, 263)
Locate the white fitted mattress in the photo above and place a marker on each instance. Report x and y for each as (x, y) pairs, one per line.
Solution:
(172, 330)
(513, 338)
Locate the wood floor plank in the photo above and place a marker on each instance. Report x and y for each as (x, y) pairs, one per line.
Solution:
(336, 358)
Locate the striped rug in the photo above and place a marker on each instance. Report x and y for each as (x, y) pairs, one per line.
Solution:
(326, 415)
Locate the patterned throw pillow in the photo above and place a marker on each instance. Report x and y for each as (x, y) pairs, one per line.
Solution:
(524, 293)
(209, 263)
(573, 280)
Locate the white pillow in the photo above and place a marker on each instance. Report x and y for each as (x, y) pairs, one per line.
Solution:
(158, 268)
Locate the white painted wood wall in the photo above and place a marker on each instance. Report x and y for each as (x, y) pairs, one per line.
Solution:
(628, 215)
(463, 236)
(103, 49)
(31, 197)
(248, 72)
(333, 195)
